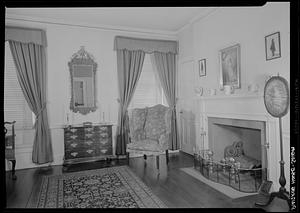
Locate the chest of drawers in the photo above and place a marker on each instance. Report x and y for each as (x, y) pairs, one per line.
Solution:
(87, 143)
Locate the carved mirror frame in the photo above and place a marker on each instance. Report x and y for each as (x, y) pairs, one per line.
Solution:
(82, 57)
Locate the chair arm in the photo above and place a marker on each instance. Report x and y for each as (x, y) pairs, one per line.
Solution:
(164, 141)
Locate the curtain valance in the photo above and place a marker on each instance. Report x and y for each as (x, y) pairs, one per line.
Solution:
(146, 45)
(25, 35)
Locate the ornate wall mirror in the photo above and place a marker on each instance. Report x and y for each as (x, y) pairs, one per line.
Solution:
(83, 82)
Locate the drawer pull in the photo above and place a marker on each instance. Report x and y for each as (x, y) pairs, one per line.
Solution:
(103, 142)
(103, 134)
(74, 145)
(73, 130)
(89, 151)
(89, 142)
(73, 136)
(88, 135)
(103, 150)
(74, 154)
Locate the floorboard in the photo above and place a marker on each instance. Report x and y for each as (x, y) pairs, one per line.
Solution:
(173, 186)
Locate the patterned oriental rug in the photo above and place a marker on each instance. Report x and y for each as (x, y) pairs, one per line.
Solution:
(115, 187)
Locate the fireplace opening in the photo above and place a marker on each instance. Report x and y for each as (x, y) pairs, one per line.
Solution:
(237, 142)
(236, 153)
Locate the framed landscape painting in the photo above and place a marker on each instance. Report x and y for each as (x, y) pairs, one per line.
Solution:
(230, 66)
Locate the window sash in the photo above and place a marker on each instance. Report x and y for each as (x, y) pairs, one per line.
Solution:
(148, 90)
(15, 105)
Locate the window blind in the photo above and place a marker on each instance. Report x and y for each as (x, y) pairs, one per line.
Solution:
(148, 91)
(15, 105)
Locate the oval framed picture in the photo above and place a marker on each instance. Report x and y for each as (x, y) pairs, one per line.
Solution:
(276, 96)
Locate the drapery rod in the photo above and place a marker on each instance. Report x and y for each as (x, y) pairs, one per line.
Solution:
(77, 25)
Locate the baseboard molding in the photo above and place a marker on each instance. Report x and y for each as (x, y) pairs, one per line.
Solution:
(24, 160)
(134, 155)
(174, 151)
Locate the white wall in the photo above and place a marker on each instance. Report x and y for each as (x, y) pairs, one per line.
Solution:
(248, 27)
(202, 39)
(63, 42)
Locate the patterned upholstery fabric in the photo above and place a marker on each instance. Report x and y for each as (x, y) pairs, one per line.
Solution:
(137, 119)
(149, 129)
(155, 125)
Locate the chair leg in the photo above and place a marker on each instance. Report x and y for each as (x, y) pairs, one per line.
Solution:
(14, 177)
(167, 156)
(157, 162)
(127, 157)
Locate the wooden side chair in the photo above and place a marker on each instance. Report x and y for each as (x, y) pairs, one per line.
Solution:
(10, 146)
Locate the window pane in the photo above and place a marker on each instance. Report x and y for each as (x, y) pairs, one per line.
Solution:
(15, 105)
(148, 91)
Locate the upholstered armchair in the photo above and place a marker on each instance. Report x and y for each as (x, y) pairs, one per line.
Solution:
(149, 128)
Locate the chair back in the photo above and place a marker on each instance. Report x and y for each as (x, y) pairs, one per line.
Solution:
(149, 122)
(137, 120)
(158, 121)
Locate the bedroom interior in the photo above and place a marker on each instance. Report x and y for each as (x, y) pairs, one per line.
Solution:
(148, 107)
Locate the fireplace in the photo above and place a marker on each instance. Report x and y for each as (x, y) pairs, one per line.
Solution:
(242, 115)
(236, 154)
(223, 133)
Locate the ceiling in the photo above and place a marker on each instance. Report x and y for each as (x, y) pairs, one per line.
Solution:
(147, 18)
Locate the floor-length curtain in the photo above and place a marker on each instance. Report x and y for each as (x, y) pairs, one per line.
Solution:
(129, 66)
(30, 61)
(165, 64)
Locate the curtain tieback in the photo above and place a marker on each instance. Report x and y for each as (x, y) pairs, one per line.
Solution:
(41, 110)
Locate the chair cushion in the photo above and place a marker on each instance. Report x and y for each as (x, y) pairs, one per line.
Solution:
(145, 145)
(155, 123)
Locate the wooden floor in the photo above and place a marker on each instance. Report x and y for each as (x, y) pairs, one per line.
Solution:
(173, 186)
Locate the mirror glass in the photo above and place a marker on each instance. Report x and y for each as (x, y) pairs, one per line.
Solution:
(83, 82)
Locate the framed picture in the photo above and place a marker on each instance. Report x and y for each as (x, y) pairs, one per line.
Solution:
(230, 66)
(272, 44)
(202, 67)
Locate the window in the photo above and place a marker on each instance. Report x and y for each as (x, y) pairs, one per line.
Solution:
(15, 105)
(148, 91)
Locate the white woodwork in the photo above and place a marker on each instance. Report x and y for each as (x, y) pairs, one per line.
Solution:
(245, 107)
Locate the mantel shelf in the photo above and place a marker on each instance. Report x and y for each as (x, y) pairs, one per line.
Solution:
(233, 96)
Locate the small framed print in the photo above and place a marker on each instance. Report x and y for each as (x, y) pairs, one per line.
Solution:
(202, 67)
(272, 44)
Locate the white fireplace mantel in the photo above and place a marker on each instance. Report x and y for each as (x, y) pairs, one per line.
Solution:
(232, 96)
(245, 107)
